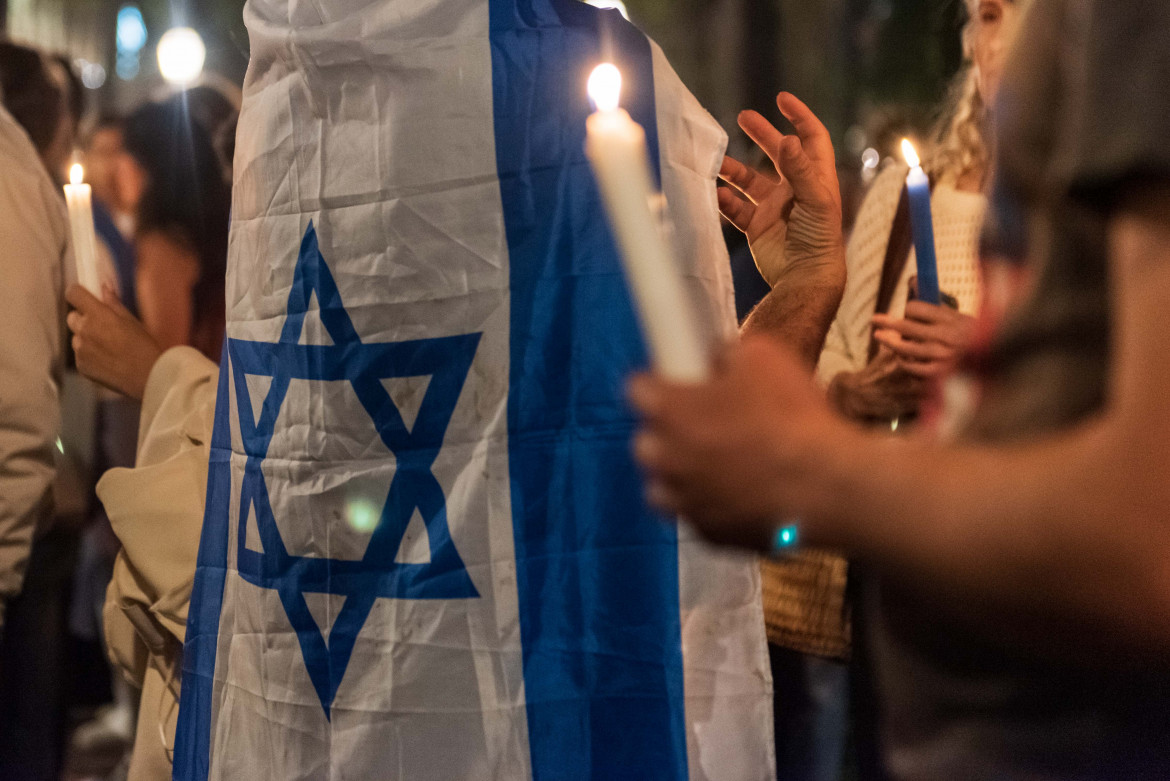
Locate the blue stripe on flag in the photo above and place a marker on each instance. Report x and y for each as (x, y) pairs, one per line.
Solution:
(597, 571)
(193, 733)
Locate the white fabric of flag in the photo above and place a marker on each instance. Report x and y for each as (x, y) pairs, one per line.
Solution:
(426, 554)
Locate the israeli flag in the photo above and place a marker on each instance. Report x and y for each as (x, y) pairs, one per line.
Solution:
(426, 554)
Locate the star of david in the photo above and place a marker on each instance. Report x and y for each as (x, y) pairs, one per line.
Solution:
(413, 487)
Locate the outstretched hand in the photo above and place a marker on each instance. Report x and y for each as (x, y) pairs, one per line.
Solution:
(111, 346)
(792, 220)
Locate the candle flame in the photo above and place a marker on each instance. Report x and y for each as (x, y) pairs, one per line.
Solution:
(910, 153)
(76, 174)
(605, 86)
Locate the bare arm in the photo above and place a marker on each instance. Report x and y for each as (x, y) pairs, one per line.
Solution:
(167, 272)
(799, 312)
(1074, 526)
(1079, 523)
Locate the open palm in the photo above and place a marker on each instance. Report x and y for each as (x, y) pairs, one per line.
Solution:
(793, 219)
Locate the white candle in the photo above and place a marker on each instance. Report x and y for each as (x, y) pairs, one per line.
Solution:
(80, 199)
(616, 148)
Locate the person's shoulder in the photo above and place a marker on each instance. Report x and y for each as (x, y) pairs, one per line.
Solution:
(18, 156)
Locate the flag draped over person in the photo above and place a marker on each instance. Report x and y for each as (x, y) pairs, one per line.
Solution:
(425, 553)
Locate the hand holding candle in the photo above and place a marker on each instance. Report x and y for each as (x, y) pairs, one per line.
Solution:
(921, 222)
(79, 197)
(616, 148)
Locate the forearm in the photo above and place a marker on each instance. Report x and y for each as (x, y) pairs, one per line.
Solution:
(800, 309)
(1073, 526)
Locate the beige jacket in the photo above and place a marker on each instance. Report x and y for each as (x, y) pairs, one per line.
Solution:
(156, 510)
(34, 237)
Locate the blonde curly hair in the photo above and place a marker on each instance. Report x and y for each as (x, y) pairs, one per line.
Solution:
(961, 146)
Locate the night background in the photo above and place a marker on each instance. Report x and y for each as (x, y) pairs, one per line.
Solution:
(878, 66)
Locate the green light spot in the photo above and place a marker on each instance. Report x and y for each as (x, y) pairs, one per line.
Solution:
(60, 445)
(362, 515)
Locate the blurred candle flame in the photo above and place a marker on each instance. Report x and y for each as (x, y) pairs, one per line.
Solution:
(910, 153)
(76, 174)
(605, 86)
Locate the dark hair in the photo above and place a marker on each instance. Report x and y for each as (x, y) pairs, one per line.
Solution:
(30, 94)
(76, 102)
(186, 197)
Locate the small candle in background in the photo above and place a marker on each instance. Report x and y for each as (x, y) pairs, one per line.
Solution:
(616, 147)
(921, 222)
(79, 197)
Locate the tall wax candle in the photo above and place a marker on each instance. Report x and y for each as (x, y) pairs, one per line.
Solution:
(616, 148)
(79, 197)
(921, 221)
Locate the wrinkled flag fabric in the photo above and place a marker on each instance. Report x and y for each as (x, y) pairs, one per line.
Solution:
(425, 553)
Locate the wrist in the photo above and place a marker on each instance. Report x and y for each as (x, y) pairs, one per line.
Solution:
(823, 268)
(825, 489)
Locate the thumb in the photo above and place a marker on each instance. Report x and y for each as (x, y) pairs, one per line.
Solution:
(110, 298)
(81, 299)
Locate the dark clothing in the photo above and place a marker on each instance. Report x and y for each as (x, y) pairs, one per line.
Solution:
(34, 675)
(1084, 113)
(122, 253)
(810, 713)
(750, 287)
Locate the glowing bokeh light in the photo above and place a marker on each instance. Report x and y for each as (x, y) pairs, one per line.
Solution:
(130, 34)
(181, 55)
(362, 515)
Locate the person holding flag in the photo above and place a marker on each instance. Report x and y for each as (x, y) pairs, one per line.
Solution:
(424, 549)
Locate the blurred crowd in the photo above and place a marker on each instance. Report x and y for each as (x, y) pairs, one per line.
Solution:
(161, 180)
(875, 675)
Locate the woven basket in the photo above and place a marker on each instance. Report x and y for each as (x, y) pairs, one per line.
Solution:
(804, 603)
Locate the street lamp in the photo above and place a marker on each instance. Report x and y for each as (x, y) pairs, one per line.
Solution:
(181, 54)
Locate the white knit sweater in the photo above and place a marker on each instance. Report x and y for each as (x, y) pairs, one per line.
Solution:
(958, 219)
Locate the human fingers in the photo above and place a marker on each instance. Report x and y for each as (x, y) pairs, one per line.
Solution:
(651, 451)
(81, 299)
(924, 312)
(111, 299)
(923, 370)
(747, 180)
(909, 329)
(662, 497)
(644, 392)
(738, 211)
(75, 321)
(813, 133)
(920, 351)
(804, 177)
(764, 133)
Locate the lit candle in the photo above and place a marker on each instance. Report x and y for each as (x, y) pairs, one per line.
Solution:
(918, 187)
(616, 148)
(80, 199)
